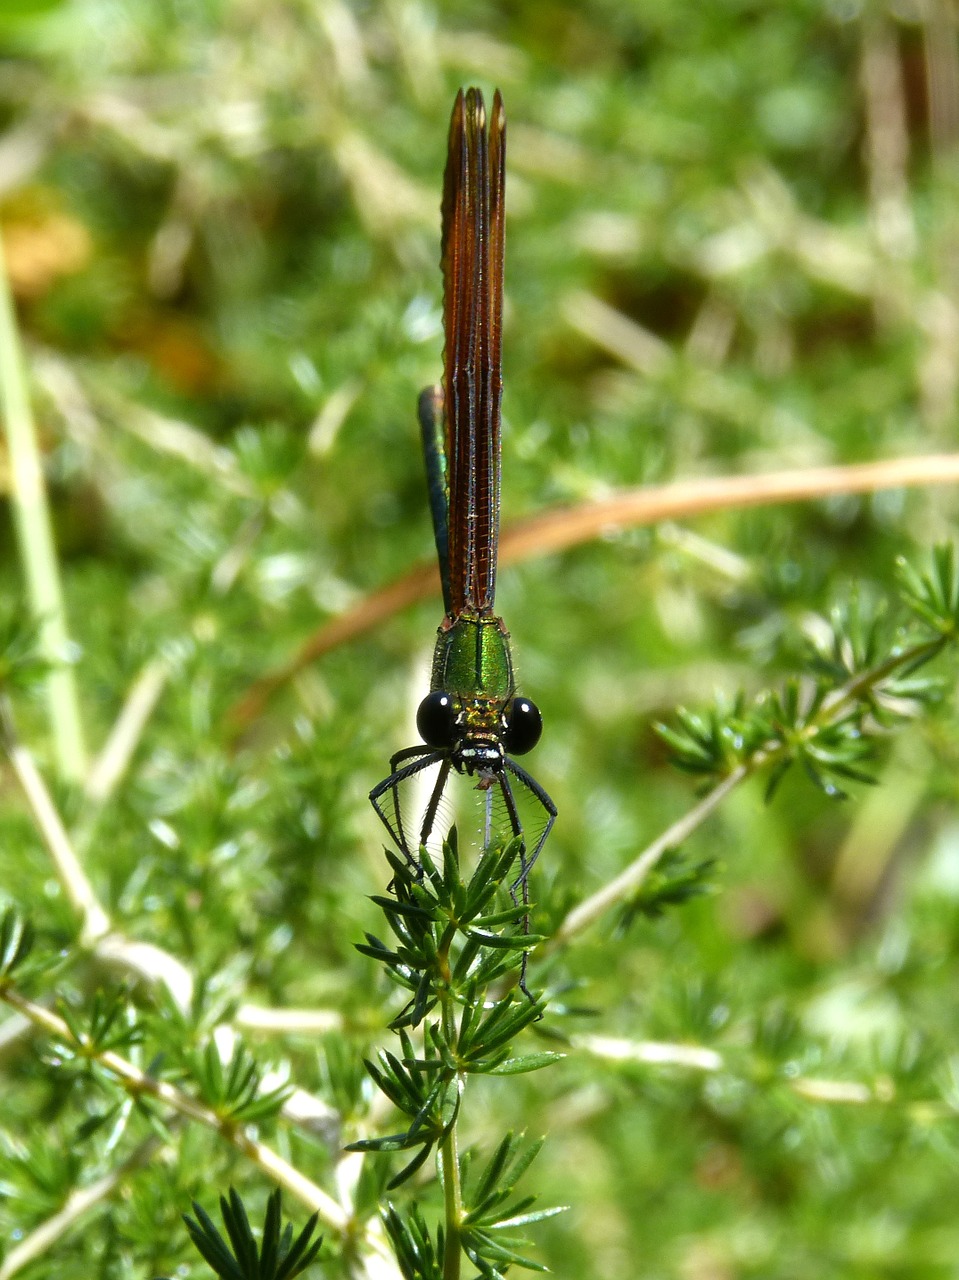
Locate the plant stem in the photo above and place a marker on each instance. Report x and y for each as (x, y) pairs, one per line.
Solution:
(449, 1150)
(34, 529)
(856, 1093)
(75, 882)
(453, 1205)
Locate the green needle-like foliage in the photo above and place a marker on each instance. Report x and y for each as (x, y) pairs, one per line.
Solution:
(418, 1255)
(279, 1257)
(455, 939)
(16, 942)
(108, 1024)
(492, 1213)
(830, 719)
(447, 939)
(674, 881)
(232, 1089)
(933, 595)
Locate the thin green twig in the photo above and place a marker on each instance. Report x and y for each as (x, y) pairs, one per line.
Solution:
(449, 1150)
(453, 1206)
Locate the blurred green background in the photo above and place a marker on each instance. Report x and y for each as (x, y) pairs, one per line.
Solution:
(732, 247)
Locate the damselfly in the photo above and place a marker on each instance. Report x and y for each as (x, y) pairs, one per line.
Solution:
(473, 720)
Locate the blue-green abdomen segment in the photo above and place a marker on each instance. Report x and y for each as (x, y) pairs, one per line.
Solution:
(472, 659)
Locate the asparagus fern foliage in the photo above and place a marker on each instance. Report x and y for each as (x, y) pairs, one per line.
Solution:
(863, 677)
(236, 1257)
(456, 953)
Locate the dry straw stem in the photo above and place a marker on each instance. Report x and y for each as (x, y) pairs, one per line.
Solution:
(143, 960)
(310, 1022)
(114, 758)
(31, 509)
(94, 920)
(565, 527)
(111, 764)
(699, 1058)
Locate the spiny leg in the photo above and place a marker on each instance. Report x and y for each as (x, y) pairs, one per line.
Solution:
(429, 817)
(421, 758)
(516, 827)
(530, 783)
(523, 878)
(526, 863)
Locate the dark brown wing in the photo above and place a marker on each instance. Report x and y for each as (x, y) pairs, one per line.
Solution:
(473, 313)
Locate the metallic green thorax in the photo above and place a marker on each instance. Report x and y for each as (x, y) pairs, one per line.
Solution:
(472, 659)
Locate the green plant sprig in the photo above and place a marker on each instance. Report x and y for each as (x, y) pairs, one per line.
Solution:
(862, 679)
(280, 1257)
(458, 948)
(860, 683)
(227, 1101)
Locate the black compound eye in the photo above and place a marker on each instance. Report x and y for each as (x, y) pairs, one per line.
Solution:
(524, 724)
(436, 719)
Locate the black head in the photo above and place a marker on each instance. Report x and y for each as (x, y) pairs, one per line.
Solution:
(485, 733)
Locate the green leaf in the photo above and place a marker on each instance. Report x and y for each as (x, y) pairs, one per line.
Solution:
(524, 1219)
(16, 941)
(279, 1257)
(418, 1257)
(527, 1062)
(508, 941)
(410, 1169)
